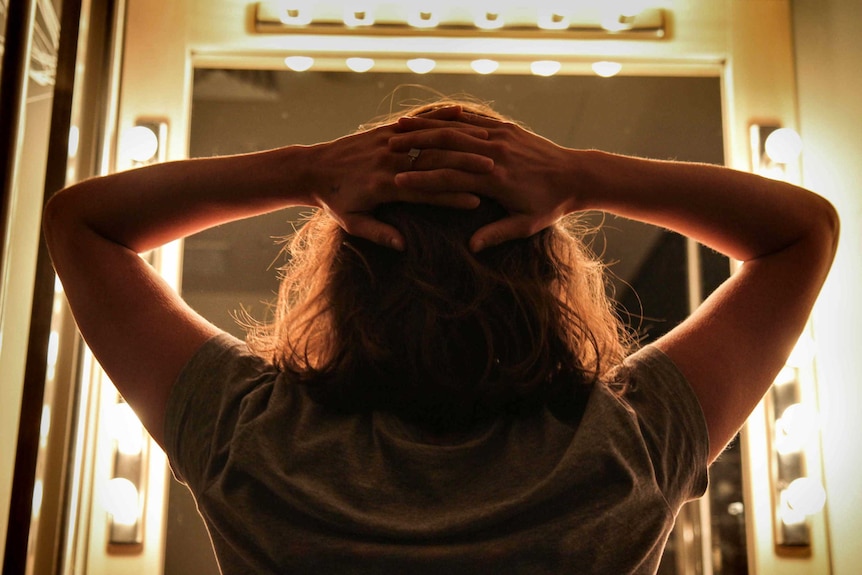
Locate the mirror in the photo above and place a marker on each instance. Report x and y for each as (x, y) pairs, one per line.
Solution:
(656, 274)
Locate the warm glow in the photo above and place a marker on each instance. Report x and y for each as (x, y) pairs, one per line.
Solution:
(552, 19)
(488, 19)
(606, 69)
(425, 15)
(545, 67)
(358, 14)
(121, 501)
(421, 65)
(795, 427)
(783, 146)
(804, 496)
(295, 13)
(126, 429)
(140, 144)
(299, 63)
(484, 66)
(360, 64)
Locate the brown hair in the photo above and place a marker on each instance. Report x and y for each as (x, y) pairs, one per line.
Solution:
(438, 335)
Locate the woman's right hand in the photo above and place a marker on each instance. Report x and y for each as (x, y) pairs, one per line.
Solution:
(531, 179)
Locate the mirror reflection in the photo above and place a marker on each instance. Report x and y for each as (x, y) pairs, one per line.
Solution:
(653, 273)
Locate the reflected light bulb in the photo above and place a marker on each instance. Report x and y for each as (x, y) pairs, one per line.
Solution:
(140, 144)
(299, 63)
(484, 65)
(545, 67)
(121, 501)
(296, 13)
(423, 16)
(783, 146)
(606, 69)
(796, 425)
(421, 65)
(358, 15)
(552, 19)
(488, 19)
(360, 64)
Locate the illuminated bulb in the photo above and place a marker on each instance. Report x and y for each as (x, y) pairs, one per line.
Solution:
(121, 501)
(787, 375)
(545, 67)
(126, 429)
(423, 16)
(484, 66)
(38, 494)
(295, 14)
(74, 138)
(358, 15)
(299, 63)
(421, 65)
(552, 19)
(783, 146)
(360, 64)
(805, 496)
(796, 425)
(140, 144)
(45, 425)
(488, 19)
(607, 69)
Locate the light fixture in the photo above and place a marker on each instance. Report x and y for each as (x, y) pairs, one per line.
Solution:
(421, 65)
(299, 63)
(423, 15)
(487, 17)
(552, 18)
(359, 64)
(295, 13)
(358, 14)
(783, 146)
(545, 67)
(774, 151)
(484, 66)
(606, 69)
(126, 489)
(144, 143)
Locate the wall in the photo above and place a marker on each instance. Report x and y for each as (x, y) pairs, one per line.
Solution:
(828, 60)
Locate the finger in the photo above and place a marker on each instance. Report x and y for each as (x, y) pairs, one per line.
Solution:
(450, 112)
(441, 181)
(416, 123)
(443, 199)
(448, 137)
(433, 159)
(498, 232)
(372, 229)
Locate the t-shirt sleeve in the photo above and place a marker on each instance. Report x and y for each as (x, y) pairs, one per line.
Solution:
(205, 406)
(672, 424)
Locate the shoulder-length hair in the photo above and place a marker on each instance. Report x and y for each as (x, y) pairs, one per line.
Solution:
(438, 335)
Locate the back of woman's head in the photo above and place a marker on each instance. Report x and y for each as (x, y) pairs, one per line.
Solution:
(437, 334)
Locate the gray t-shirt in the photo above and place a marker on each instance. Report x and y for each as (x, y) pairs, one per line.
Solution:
(286, 486)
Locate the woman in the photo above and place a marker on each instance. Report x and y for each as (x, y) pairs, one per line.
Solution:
(444, 387)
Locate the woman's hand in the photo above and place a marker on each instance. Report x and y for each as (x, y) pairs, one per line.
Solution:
(530, 177)
(356, 173)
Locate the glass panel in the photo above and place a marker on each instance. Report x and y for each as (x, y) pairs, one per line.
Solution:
(234, 266)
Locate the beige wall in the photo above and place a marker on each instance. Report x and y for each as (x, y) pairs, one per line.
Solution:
(828, 62)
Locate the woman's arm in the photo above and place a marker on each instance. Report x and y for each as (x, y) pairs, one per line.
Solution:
(139, 329)
(733, 346)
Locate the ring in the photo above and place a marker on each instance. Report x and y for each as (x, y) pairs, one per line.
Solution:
(413, 154)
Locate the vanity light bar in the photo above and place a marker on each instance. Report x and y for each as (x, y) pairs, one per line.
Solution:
(282, 17)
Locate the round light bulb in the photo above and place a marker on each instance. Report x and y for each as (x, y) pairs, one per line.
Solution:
(421, 65)
(299, 63)
(783, 146)
(140, 144)
(484, 66)
(606, 69)
(360, 64)
(121, 501)
(545, 67)
(805, 495)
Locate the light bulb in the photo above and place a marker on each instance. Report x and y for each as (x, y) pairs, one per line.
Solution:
(805, 495)
(295, 13)
(140, 144)
(783, 146)
(299, 63)
(421, 65)
(360, 64)
(606, 69)
(484, 65)
(358, 14)
(425, 15)
(795, 426)
(121, 501)
(545, 67)
(488, 19)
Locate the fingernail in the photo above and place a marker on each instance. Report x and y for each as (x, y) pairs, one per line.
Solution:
(397, 244)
